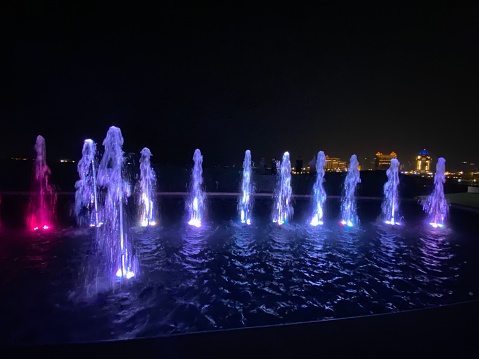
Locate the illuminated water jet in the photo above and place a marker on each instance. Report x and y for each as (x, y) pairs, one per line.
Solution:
(41, 208)
(147, 190)
(349, 215)
(86, 194)
(196, 201)
(113, 235)
(390, 204)
(245, 202)
(283, 208)
(319, 193)
(436, 204)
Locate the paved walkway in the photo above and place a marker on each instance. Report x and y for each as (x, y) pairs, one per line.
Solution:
(464, 199)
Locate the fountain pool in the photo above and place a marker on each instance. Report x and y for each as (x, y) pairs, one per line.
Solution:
(226, 275)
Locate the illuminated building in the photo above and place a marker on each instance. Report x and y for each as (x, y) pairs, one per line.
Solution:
(335, 164)
(382, 162)
(423, 162)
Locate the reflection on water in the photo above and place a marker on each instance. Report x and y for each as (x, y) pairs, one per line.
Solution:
(227, 275)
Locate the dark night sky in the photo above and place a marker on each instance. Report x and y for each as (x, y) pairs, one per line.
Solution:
(342, 77)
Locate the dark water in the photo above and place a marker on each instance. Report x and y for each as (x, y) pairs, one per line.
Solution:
(225, 275)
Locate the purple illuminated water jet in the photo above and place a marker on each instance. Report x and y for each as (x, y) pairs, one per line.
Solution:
(147, 190)
(390, 204)
(196, 201)
(41, 208)
(283, 208)
(86, 194)
(319, 193)
(436, 204)
(113, 236)
(245, 202)
(349, 215)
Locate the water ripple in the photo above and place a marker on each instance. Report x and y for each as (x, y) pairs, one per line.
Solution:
(229, 275)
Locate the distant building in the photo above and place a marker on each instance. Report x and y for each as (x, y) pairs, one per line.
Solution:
(298, 169)
(423, 162)
(382, 161)
(335, 164)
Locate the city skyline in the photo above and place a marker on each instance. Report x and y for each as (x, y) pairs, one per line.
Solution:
(349, 78)
(365, 163)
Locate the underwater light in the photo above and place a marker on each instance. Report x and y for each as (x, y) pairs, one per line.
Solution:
(194, 222)
(315, 222)
(124, 274)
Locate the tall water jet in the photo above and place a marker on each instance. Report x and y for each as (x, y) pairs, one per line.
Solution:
(86, 194)
(196, 201)
(349, 215)
(283, 208)
(147, 190)
(319, 193)
(390, 204)
(113, 236)
(41, 208)
(245, 202)
(436, 204)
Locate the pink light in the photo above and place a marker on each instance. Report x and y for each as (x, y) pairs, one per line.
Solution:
(44, 227)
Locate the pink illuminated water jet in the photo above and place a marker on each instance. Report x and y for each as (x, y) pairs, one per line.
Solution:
(41, 208)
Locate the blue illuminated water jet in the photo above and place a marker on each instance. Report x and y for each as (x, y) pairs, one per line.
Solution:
(390, 204)
(86, 194)
(245, 202)
(436, 204)
(113, 235)
(283, 208)
(319, 193)
(147, 190)
(349, 215)
(196, 201)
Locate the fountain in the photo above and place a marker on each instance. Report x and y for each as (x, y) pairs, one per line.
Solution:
(113, 241)
(283, 209)
(226, 275)
(245, 202)
(41, 208)
(319, 193)
(436, 204)
(86, 194)
(196, 201)
(390, 204)
(147, 190)
(348, 198)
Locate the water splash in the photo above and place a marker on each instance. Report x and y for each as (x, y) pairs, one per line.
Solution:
(147, 190)
(86, 194)
(113, 235)
(319, 193)
(196, 201)
(245, 202)
(390, 204)
(349, 215)
(41, 208)
(436, 204)
(283, 208)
